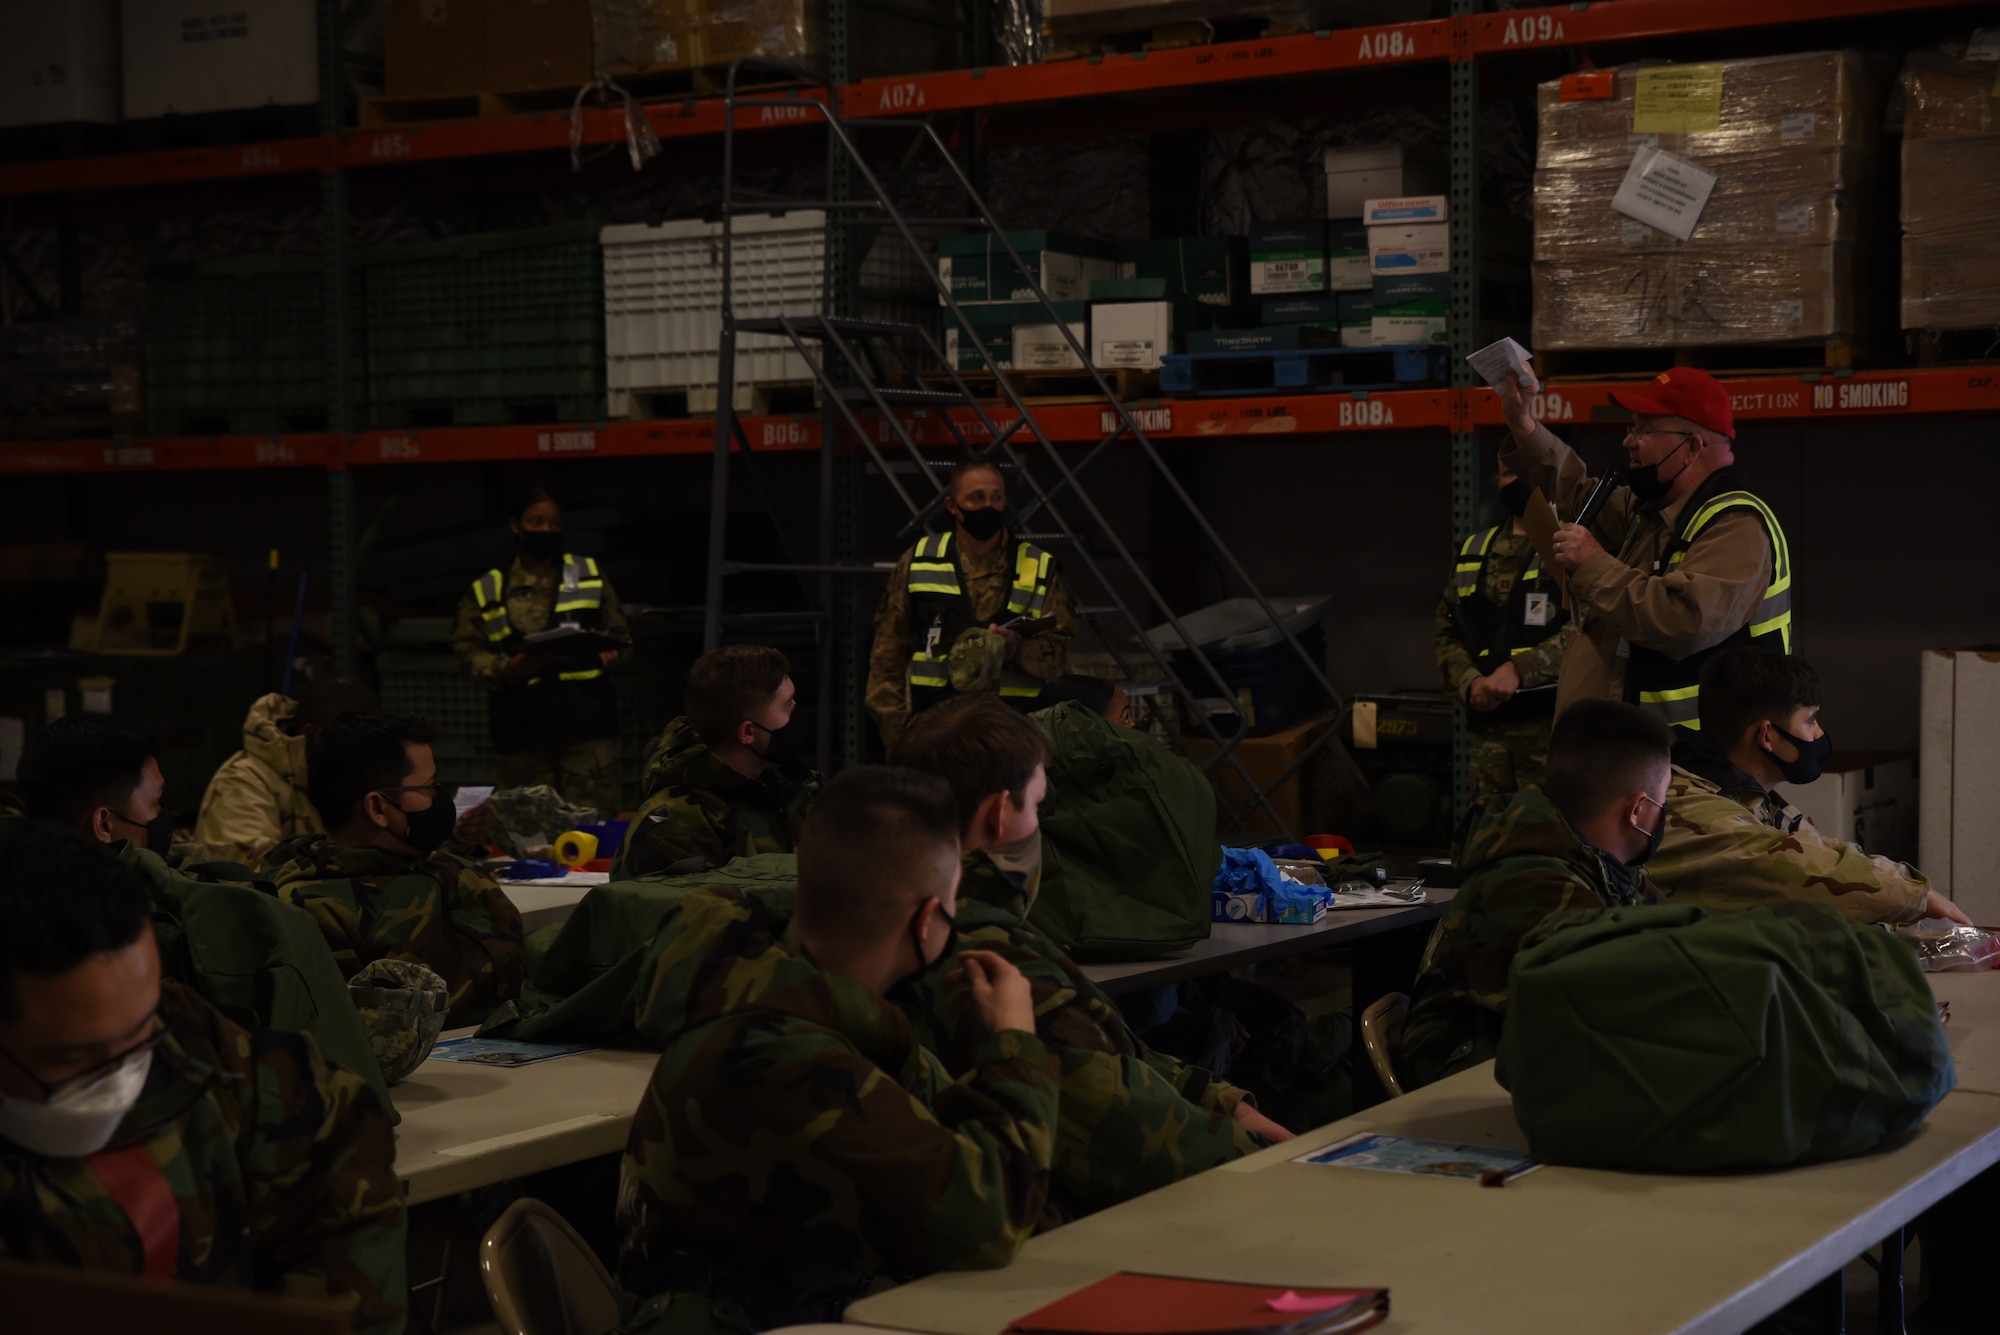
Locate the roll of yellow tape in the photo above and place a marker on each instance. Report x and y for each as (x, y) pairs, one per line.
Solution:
(575, 848)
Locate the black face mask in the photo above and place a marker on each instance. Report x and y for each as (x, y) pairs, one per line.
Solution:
(780, 748)
(1646, 482)
(1514, 495)
(159, 831)
(425, 830)
(1658, 833)
(539, 544)
(1812, 757)
(950, 940)
(983, 523)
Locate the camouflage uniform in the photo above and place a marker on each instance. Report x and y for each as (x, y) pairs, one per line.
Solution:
(1521, 863)
(402, 1006)
(796, 1144)
(583, 770)
(272, 1168)
(986, 580)
(437, 911)
(1510, 746)
(262, 963)
(698, 807)
(1732, 845)
(258, 798)
(1131, 1118)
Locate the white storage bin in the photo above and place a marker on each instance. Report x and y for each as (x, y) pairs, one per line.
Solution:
(183, 57)
(59, 63)
(663, 303)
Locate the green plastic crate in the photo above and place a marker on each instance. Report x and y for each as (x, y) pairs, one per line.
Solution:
(488, 330)
(237, 347)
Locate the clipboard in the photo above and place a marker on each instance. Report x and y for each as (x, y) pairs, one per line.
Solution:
(572, 642)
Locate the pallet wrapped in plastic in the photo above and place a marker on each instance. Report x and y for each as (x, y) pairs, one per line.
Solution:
(1761, 197)
(1696, 298)
(1066, 21)
(1951, 193)
(649, 36)
(1809, 101)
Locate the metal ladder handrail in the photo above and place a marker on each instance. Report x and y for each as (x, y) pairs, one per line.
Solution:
(999, 439)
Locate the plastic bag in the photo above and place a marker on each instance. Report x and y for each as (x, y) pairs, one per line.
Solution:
(1255, 883)
(1944, 946)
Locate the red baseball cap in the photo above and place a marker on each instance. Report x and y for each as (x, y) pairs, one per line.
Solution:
(1683, 392)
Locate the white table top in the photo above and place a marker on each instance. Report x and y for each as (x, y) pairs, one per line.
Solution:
(542, 905)
(1973, 1032)
(1562, 1249)
(1231, 945)
(466, 1125)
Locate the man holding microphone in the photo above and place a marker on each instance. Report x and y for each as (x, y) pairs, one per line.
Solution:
(1676, 565)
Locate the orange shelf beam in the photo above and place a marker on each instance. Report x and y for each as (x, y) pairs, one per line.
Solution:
(1633, 20)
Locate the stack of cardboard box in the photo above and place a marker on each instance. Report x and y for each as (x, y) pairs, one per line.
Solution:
(1951, 193)
(1773, 251)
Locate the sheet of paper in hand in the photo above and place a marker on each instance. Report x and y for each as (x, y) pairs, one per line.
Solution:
(1539, 518)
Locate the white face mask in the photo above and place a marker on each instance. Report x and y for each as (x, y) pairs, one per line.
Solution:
(1023, 858)
(77, 1122)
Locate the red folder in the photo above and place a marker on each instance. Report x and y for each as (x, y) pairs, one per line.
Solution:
(1129, 1304)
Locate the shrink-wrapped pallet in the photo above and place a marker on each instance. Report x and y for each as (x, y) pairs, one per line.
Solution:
(1951, 193)
(1773, 255)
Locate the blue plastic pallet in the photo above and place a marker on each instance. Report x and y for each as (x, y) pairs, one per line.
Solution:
(1314, 370)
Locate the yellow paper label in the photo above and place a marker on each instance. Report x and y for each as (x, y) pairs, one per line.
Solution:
(1678, 99)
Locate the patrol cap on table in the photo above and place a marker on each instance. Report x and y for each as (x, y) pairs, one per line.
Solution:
(402, 1006)
(1682, 392)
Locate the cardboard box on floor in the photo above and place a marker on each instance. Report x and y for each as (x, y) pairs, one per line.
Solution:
(1958, 842)
(1867, 798)
(1265, 758)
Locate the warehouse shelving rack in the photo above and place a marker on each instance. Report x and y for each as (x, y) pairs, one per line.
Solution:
(1089, 95)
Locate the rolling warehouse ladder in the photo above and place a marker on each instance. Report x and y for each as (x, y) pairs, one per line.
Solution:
(865, 367)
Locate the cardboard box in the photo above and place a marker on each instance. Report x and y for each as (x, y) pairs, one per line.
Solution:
(61, 63)
(1212, 270)
(1403, 330)
(1958, 837)
(432, 49)
(1302, 910)
(1264, 759)
(978, 269)
(1277, 338)
(1356, 175)
(1416, 248)
(1402, 210)
(1287, 257)
(1347, 257)
(1432, 291)
(1360, 334)
(183, 57)
(994, 324)
(1131, 333)
(1867, 798)
(1302, 310)
(1042, 347)
(537, 44)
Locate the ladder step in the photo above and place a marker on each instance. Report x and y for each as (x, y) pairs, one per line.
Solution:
(1046, 539)
(1099, 613)
(817, 326)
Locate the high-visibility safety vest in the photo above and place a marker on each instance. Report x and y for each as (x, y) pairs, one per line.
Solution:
(940, 610)
(1496, 632)
(578, 597)
(1671, 688)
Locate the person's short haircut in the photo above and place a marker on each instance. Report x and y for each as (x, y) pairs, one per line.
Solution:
(78, 764)
(726, 686)
(964, 468)
(527, 498)
(1602, 750)
(62, 900)
(865, 850)
(325, 699)
(1093, 693)
(978, 745)
(357, 753)
(1742, 687)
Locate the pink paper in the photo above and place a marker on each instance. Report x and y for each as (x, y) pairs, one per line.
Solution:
(1289, 1301)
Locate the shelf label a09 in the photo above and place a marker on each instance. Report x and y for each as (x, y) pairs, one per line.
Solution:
(1552, 407)
(1530, 29)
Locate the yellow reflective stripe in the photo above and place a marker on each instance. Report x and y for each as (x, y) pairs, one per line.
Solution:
(1661, 697)
(1782, 621)
(928, 678)
(915, 587)
(1525, 649)
(586, 675)
(1020, 690)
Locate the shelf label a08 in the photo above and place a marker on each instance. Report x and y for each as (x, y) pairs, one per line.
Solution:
(1386, 44)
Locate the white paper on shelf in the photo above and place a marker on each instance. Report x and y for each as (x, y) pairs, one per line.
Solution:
(1499, 362)
(468, 798)
(1664, 191)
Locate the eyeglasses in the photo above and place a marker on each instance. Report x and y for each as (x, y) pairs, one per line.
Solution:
(51, 1092)
(1636, 434)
